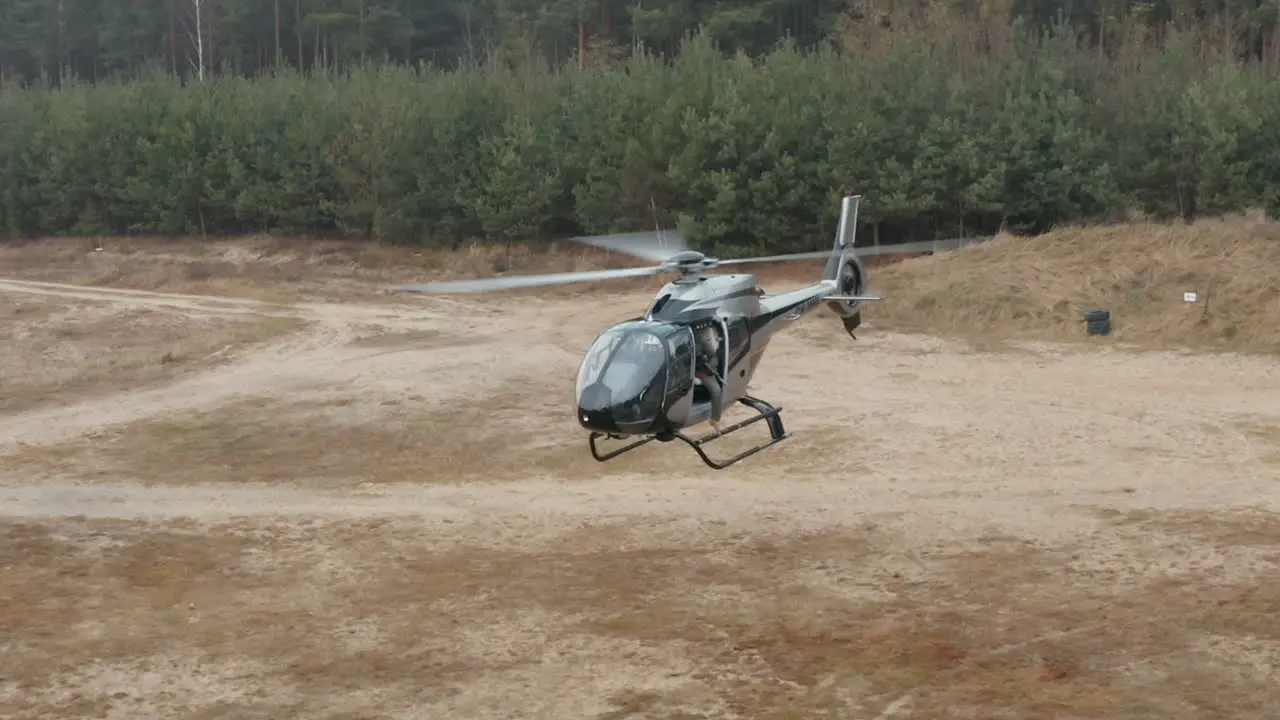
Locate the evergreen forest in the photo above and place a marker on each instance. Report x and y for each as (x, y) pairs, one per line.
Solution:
(740, 121)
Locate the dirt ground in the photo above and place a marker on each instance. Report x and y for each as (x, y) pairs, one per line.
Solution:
(372, 506)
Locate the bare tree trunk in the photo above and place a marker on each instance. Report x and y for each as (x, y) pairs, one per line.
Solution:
(1274, 54)
(63, 55)
(199, 39)
(360, 34)
(408, 42)
(173, 41)
(277, 29)
(297, 11)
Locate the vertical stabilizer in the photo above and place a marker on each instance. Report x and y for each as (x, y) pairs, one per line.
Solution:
(844, 236)
(845, 272)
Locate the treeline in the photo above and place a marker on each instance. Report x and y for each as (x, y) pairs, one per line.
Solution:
(946, 127)
(91, 40)
(95, 39)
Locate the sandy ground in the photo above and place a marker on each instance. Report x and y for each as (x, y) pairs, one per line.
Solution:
(388, 511)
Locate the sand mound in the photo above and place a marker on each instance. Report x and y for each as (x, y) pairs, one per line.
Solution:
(1041, 287)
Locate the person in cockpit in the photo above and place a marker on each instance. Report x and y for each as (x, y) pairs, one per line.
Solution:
(708, 349)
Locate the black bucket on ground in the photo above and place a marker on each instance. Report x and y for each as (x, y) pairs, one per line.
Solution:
(1098, 322)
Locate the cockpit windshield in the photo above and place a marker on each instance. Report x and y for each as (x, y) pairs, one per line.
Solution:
(625, 373)
(623, 360)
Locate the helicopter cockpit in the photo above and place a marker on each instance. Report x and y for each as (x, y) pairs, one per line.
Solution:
(632, 374)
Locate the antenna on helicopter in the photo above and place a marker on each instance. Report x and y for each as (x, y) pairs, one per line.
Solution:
(657, 227)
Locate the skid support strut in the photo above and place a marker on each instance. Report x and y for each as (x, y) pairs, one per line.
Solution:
(610, 455)
(764, 411)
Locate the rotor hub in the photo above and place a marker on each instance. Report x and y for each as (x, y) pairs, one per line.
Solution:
(689, 262)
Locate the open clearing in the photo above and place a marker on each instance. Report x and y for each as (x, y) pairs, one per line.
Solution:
(351, 505)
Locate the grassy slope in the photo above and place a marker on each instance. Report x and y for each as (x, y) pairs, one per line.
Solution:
(1041, 288)
(1007, 289)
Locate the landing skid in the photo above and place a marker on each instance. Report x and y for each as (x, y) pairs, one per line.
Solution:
(764, 411)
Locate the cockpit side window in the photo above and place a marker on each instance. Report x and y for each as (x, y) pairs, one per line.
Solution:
(680, 346)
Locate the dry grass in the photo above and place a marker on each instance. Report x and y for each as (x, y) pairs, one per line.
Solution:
(898, 606)
(1009, 288)
(386, 340)
(1041, 288)
(1266, 436)
(518, 428)
(339, 442)
(345, 442)
(58, 351)
(1255, 528)
(367, 617)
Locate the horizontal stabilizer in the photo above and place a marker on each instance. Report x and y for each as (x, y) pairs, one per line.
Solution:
(851, 298)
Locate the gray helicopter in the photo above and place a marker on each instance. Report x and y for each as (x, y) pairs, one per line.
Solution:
(697, 345)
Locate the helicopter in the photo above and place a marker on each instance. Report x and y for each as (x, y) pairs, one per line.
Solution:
(698, 344)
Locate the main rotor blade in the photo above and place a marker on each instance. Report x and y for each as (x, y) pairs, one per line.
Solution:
(523, 281)
(777, 258)
(648, 245)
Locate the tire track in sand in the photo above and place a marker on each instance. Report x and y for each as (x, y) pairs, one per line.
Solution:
(318, 359)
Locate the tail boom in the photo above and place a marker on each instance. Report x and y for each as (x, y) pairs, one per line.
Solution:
(841, 287)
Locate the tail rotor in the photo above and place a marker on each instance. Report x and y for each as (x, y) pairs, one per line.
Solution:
(845, 272)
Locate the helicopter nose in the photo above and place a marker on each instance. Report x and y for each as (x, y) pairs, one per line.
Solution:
(597, 420)
(600, 410)
(595, 409)
(595, 397)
